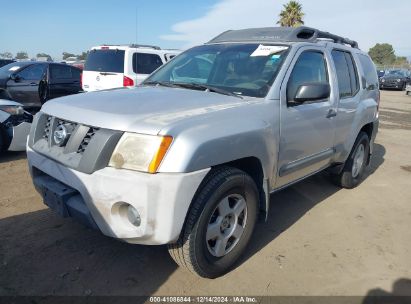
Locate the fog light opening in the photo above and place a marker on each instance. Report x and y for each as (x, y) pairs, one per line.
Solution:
(133, 216)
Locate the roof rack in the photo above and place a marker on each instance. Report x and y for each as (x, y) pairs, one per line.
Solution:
(133, 45)
(283, 34)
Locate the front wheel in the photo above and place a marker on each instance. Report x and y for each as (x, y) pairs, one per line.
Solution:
(219, 223)
(356, 163)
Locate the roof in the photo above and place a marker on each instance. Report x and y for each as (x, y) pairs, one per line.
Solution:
(280, 34)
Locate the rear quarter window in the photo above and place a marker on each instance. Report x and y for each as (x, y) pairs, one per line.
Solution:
(144, 63)
(370, 71)
(111, 61)
(61, 72)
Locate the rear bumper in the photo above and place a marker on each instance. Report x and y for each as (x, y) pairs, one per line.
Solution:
(162, 199)
(375, 126)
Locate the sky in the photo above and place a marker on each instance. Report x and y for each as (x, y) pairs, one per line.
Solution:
(74, 26)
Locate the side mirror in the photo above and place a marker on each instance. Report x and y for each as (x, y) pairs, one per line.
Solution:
(312, 92)
(15, 77)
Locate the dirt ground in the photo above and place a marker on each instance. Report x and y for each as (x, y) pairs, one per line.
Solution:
(319, 239)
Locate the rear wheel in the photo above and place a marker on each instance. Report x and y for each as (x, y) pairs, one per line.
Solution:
(356, 163)
(219, 223)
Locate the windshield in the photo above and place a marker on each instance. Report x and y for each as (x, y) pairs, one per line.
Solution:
(105, 61)
(11, 68)
(241, 69)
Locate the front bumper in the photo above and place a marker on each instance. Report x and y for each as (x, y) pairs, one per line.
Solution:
(391, 85)
(162, 199)
(19, 136)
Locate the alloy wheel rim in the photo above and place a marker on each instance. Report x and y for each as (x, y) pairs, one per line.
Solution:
(358, 161)
(226, 225)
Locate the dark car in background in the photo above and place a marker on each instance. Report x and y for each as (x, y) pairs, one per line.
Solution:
(395, 79)
(3, 62)
(33, 83)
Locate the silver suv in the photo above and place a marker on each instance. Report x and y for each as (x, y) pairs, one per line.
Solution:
(190, 158)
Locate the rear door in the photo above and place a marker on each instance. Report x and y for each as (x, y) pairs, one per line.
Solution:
(25, 87)
(63, 80)
(144, 64)
(104, 69)
(307, 129)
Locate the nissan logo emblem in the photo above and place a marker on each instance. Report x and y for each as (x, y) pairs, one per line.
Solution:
(60, 135)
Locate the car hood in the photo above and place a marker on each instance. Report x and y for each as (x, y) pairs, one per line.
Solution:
(5, 102)
(142, 109)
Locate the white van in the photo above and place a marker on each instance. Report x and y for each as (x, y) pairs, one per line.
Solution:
(114, 66)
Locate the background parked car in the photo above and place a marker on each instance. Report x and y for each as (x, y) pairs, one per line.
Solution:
(15, 125)
(114, 66)
(3, 62)
(395, 79)
(33, 83)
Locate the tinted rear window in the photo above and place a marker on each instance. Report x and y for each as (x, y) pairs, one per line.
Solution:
(144, 63)
(64, 72)
(105, 61)
(370, 72)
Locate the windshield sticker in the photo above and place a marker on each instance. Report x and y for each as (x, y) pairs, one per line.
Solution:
(14, 68)
(275, 57)
(265, 50)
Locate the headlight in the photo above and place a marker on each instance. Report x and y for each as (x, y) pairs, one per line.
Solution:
(12, 110)
(382, 80)
(398, 80)
(140, 152)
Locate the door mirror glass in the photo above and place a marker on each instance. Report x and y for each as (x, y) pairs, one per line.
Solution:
(312, 92)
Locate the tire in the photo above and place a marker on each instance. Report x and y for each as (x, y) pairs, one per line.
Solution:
(4, 141)
(408, 93)
(354, 168)
(43, 92)
(201, 247)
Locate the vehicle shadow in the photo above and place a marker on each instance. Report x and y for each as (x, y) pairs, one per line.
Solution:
(401, 293)
(289, 205)
(42, 254)
(11, 156)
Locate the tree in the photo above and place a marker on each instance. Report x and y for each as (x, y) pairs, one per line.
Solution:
(22, 55)
(67, 55)
(83, 56)
(382, 53)
(401, 61)
(291, 15)
(6, 55)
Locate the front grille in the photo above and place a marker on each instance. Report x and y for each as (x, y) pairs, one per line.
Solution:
(86, 139)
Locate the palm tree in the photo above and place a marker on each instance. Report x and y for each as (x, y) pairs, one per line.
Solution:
(292, 15)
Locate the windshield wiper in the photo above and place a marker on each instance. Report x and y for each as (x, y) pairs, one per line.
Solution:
(205, 87)
(160, 83)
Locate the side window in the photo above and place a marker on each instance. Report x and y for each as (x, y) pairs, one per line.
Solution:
(348, 83)
(355, 84)
(75, 73)
(309, 68)
(370, 72)
(60, 72)
(144, 63)
(33, 72)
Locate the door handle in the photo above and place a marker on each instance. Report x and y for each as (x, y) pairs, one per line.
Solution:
(33, 84)
(331, 113)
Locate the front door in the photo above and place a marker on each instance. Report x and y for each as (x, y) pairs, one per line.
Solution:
(307, 129)
(25, 86)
